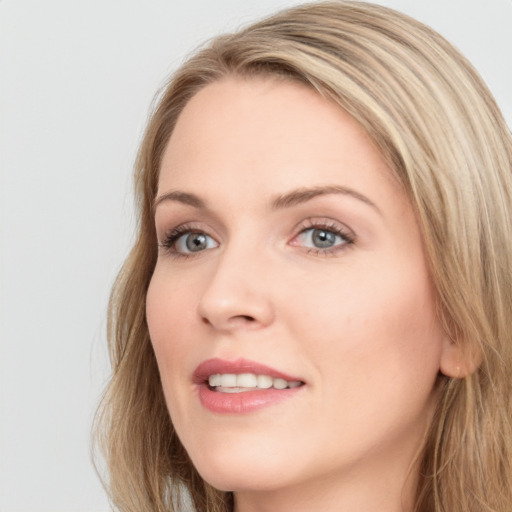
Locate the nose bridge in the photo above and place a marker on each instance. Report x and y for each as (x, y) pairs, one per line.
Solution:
(236, 294)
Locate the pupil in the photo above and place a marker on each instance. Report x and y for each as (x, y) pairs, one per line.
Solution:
(196, 242)
(323, 238)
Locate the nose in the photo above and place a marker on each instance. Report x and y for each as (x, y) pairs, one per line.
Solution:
(238, 295)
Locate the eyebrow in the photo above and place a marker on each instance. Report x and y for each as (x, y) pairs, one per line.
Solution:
(287, 200)
(305, 194)
(180, 197)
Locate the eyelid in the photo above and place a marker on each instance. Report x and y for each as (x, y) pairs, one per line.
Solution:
(168, 240)
(327, 224)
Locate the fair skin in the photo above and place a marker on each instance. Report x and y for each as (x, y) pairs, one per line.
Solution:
(330, 287)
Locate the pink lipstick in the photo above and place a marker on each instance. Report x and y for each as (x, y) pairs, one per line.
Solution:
(242, 386)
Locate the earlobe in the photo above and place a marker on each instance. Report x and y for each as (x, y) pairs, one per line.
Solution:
(458, 360)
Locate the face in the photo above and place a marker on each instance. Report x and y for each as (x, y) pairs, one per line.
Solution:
(291, 310)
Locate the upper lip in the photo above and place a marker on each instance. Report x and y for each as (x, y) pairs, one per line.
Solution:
(216, 365)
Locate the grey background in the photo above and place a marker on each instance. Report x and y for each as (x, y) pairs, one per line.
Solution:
(76, 83)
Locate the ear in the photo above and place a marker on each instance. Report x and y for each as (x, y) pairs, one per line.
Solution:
(458, 359)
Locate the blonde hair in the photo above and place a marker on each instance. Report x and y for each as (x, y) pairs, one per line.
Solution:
(438, 126)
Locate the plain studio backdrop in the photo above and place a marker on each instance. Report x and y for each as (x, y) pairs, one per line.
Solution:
(77, 80)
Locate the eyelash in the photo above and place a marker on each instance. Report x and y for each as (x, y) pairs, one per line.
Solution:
(328, 225)
(170, 239)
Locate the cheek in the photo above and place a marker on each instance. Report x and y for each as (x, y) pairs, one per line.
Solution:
(169, 312)
(169, 309)
(376, 321)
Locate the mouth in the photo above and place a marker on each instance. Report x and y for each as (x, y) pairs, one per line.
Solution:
(242, 386)
(244, 382)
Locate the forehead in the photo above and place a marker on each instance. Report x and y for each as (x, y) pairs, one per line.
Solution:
(261, 134)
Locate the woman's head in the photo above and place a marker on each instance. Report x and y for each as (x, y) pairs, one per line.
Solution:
(440, 143)
(288, 250)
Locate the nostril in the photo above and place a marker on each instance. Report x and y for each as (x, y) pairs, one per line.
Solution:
(232, 320)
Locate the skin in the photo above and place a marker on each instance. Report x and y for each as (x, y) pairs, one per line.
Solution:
(357, 322)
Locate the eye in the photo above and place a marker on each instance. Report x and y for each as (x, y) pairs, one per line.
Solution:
(183, 241)
(194, 242)
(323, 239)
(320, 238)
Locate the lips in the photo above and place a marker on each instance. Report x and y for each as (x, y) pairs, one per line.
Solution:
(221, 366)
(242, 386)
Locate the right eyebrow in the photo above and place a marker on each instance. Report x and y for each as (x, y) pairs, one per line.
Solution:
(180, 197)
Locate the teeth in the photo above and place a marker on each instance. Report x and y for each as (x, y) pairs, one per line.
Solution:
(231, 382)
(228, 380)
(264, 381)
(246, 380)
(214, 380)
(280, 383)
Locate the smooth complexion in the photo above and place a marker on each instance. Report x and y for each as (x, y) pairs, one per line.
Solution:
(285, 241)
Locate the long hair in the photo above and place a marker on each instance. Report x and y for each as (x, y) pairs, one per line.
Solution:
(438, 126)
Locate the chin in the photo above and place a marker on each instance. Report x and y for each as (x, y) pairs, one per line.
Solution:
(242, 481)
(233, 471)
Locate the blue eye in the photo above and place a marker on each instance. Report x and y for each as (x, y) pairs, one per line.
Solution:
(181, 242)
(323, 239)
(194, 242)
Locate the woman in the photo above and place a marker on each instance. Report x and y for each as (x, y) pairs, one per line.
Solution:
(316, 313)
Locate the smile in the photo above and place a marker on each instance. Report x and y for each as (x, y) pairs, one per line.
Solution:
(243, 382)
(242, 386)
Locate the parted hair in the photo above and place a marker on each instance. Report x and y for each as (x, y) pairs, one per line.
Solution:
(440, 130)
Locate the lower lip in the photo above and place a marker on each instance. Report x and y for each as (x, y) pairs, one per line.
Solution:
(244, 402)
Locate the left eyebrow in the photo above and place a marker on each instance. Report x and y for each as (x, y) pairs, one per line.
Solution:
(302, 195)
